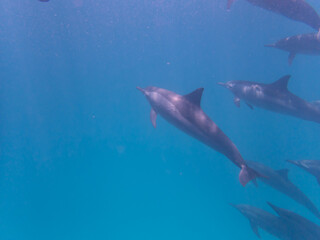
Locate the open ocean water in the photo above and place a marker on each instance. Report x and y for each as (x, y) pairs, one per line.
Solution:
(79, 157)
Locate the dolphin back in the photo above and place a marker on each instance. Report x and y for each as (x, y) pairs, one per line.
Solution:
(316, 104)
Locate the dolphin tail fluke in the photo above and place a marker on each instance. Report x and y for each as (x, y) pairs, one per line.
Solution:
(230, 2)
(247, 174)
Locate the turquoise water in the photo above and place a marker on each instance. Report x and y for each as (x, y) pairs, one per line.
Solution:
(79, 156)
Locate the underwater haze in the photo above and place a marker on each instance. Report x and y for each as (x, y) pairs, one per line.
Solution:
(79, 157)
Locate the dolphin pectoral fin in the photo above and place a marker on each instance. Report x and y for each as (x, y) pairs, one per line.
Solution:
(236, 101)
(230, 2)
(153, 117)
(255, 229)
(250, 106)
(291, 57)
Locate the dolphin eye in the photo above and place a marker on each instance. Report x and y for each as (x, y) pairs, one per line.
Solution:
(231, 85)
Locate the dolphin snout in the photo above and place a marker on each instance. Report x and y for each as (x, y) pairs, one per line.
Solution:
(241, 208)
(141, 90)
(222, 84)
(233, 205)
(270, 45)
(293, 162)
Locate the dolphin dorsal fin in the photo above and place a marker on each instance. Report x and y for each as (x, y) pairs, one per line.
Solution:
(282, 83)
(254, 228)
(195, 96)
(280, 211)
(276, 209)
(283, 173)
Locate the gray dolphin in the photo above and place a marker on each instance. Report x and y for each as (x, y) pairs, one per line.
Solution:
(308, 44)
(300, 227)
(298, 10)
(259, 218)
(279, 180)
(185, 113)
(312, 166)
(274, 97)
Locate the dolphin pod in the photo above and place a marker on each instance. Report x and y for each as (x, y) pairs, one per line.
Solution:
(274, 97)
(279, 180)
(286, 226)
(185, 113)
(298, 10)
(308, 44)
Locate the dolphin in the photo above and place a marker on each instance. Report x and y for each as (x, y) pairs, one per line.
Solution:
(279, 180)
(308, 44)
(259, 218)
(298, 10)
(274, 97)
(312, 166)
(300, 227)
(185, 113)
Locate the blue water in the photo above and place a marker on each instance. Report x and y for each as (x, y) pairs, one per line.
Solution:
(79, 156)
